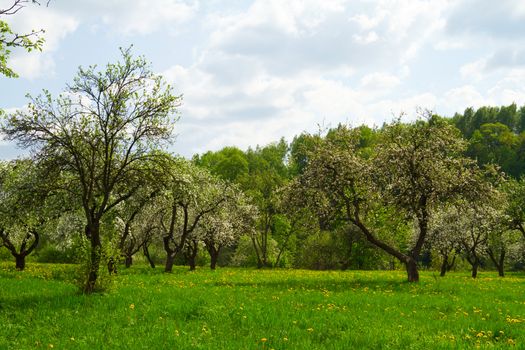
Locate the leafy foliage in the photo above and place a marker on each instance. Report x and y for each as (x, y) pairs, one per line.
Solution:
(99, 137)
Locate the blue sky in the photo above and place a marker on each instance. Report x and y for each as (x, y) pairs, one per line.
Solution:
(253, 71)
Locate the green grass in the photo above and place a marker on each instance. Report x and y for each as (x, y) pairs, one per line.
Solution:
(250, 309)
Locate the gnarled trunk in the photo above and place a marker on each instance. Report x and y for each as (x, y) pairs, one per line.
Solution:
(20, 262)
(191, 254)
(501, 271)
(474, 261)
(93, 232)
(128, 261)
(475, 266)
(170, 260)
(409, 261)
(444, 266)
(499, 261)
(20, 255)
(147, 255)
(213, 261)
(412, 271)
(214, 257)
(192, 263)
(214, 253)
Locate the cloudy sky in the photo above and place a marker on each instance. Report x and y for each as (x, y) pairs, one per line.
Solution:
(253, 71)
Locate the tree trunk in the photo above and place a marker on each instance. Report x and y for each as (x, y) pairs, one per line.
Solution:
(499, 262)
(214, 256)
(345, 264)
(128, 261)
(213, 262)
(146, 254)
(264, 262)
(95, 258)
(20, 262)
(444, 266)
(278, 259)
(191, 262)
(451, 265)
(475, 269)
(20, 256)
(501, 265)
(412, 272)
(112, 266)
(170, 260)
(411, 265)
(256, 249)
(193, 249)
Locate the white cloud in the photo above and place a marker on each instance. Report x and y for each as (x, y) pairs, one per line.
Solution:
(264, 69)
(505, 91)
(388, 109)
(379, 81)
(143, 17)
(509, 89)
(502, 20)
(474, 70)
(366, 22)
(56, 25)
(450, 44)
(33, 65)
(459, 98)
(288, 66)
(368, 38)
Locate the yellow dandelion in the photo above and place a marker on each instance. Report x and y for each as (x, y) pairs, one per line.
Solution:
(132, 306)
(264, 340)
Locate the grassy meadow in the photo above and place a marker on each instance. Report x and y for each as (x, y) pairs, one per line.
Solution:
(270, 309)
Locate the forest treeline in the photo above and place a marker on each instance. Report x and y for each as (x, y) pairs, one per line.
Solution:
(100, 189)
(495, 135)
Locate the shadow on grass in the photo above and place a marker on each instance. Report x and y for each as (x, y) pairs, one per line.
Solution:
(428, 283)
(332, 286)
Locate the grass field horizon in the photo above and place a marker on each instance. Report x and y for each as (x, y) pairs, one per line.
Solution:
(237, 308)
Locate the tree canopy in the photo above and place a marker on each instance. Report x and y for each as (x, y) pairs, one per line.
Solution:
(100, 137)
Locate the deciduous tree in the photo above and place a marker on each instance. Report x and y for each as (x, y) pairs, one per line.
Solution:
(101, 134)
(419, 167)
(414, 169)
(25, 208)
(191, 193)
(223, 227)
